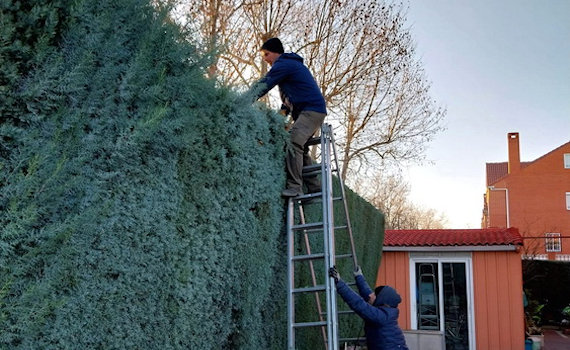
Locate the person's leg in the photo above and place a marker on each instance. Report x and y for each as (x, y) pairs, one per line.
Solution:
(312, 182)
(304, 127)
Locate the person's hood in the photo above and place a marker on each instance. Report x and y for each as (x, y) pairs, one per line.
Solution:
(291, 56)
(388, 296)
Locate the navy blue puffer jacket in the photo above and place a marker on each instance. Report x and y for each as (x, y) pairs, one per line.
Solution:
(381, 319)
(299, 90)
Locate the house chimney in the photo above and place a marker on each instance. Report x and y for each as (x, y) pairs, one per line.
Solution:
(514, 152)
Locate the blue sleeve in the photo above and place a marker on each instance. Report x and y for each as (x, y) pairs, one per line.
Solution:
(275, 75)
(363, 287)
(368, 312)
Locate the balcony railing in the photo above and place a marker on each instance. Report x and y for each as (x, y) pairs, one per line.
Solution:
(535, 256)
(563, 257)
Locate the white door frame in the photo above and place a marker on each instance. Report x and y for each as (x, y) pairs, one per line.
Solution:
(439, 258)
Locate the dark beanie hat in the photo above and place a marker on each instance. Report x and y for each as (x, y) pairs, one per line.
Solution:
(273, 45)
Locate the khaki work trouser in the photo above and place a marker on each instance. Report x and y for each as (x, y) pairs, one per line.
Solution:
(298, 156)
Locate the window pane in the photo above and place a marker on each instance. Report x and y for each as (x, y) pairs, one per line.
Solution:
(552, 242)
(427, 298)
(455, 306)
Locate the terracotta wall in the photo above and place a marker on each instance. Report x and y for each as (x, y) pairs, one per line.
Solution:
(394, 271)
(498, 302)
(537, 201)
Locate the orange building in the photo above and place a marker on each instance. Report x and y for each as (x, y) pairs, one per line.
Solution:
(534, 197)
(463, 284)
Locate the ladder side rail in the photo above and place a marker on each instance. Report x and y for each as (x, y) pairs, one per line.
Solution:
(313, 274)
(291, 277)
(328, 220)
(345, 205)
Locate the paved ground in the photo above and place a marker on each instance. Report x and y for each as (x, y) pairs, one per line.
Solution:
(555, 340)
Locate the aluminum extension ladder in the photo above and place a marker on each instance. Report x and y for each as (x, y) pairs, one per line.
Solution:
(304, 233)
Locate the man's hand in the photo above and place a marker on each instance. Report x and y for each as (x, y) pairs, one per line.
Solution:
(357, 271)
(334, 274)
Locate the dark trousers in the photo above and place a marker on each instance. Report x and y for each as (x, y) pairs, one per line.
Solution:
(304, 127)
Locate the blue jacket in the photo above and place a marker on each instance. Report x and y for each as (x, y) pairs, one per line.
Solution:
(381, 319)
(299, 90)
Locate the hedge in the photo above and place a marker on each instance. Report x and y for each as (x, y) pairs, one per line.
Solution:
(139, 201)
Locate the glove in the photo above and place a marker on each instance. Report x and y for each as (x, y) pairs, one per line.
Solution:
(357, 271)
(334, 274)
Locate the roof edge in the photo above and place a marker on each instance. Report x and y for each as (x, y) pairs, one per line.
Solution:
(465, 248)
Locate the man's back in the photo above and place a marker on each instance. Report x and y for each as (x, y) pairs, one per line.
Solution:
(296, 83)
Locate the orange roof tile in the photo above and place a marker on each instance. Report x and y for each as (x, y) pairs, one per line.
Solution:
(463, 237)
(496, 171)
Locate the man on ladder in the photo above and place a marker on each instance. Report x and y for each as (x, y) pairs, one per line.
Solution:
(302, 98)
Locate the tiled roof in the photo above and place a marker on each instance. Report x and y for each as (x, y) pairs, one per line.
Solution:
(466, 237)
(495, 171)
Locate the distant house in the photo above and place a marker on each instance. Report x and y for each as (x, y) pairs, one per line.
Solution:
(533, 197)
(466, 284)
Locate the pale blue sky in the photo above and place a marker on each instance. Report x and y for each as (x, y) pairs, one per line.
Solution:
(497, 66)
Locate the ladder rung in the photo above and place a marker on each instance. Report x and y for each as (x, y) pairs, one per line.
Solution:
(309, 257)
(318, 288)
(344, 256)
(350, 340)
(343, 312)
(312, 167)
(315, 226)
(310, 324)
(311, 226)
(313, 141)
(309, 196)
(312, 173)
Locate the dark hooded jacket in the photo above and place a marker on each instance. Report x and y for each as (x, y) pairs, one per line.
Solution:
(299, 90)
(381, 319)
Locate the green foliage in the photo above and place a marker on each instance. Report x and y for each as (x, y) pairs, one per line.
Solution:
(29, 31)
(139, 203)
(141, 207)
(547, 286)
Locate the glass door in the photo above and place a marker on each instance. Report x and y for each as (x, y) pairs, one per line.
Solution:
(455, 306)
(442, 300)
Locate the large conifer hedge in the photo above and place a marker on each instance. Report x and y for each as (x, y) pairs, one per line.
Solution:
(139, 203)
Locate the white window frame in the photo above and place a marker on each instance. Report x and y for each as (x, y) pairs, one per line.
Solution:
(567, 200)
(552, 242)
(440, 258)
(566, 160)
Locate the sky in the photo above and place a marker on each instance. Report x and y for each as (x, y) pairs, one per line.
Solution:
(497, 66)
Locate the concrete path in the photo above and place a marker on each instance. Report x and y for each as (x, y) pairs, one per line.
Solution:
(555, 340)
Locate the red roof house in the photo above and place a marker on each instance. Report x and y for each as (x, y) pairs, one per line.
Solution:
(465, 284)
(533, 197)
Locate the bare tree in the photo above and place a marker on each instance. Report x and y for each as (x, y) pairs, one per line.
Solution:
(389, 193)
(362, 56)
